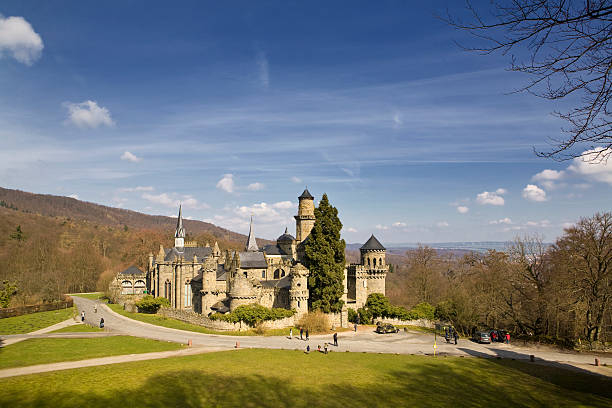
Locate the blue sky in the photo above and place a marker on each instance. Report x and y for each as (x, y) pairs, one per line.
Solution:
(232, 108)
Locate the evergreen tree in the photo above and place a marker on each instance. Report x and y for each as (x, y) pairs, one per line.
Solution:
(324, 257)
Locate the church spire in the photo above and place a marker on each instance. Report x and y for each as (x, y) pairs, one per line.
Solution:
(251, 243)
(179, 235)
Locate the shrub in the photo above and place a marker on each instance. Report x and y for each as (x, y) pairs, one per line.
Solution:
(365, 317)
(352, 316)
(314, 322)
(253, 314)
(149, 304)
(423, 311)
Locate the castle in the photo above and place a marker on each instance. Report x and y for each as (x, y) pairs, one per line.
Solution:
(205, 280)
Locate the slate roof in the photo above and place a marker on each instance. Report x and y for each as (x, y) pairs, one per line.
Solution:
(132, 270)
(188, 253)
(373, 244)
(273, 249)
(220, 307)
(197, 278)
(221, 273)
(306, 194)
(252, 260)
(284, 282)
(285, 237)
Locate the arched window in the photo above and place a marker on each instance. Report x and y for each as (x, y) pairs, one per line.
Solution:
(368, 261)
(282, 273)
(375, 262)
(168, 291)
(263, 274)
(139, 287)
(380, 261)
(246, 275)
(187, 294)
(127, 288)
(277, 273)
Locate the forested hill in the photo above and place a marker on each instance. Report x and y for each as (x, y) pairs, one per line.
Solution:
(70, 208)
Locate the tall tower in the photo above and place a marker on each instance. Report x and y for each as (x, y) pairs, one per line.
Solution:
(251, 244)
(179, 235)
(305, 219)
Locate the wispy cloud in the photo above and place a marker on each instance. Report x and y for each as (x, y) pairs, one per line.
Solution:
(255, 186)
(264, 69)
(461, 209)
(226, 183)
(88, 114)
(19, 40)
(130, 157)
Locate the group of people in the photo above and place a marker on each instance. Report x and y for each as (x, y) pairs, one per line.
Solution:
(325, 349)
(95, 311)
(501, 337)
(450, 332)
(302, 331)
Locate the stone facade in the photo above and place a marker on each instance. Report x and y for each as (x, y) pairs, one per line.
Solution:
(203, 280)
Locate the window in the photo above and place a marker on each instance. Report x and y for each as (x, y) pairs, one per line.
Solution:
(282, 273)
(368, 261)
(139, 287)
(187, 294)
(277, 274)
(168, 291)
(246, 275)
(126, 288)
(263, 274)
(375, 262)
(380, 261)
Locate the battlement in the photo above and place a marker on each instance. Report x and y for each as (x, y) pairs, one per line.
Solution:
(191, 244)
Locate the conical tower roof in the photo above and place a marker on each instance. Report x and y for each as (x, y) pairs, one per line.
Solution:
(251, 243)
(180, 230)
(306, 194)
(373, 244)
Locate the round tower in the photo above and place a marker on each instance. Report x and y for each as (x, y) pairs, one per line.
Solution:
(374, 265)
(305, 219)
(299, 293)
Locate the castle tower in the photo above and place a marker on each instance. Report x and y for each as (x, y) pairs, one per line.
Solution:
(299, 293)
(286, 243)
(251, 245)
(305, 219)
(179, 235)
(375, 267)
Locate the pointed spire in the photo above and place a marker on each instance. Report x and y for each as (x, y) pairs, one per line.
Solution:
(180, 230)
(251, 243)
(216, 250)
(286, 230)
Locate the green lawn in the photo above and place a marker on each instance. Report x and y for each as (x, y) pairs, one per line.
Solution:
(34, 321)
(78, 328)
(42, 351)
(177, 324)
(276, 378)
(92, 296)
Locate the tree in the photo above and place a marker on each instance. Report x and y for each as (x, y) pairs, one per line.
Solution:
(18, 234)
(7, 291)
(324, 257)
(586, 250)
(568, 44)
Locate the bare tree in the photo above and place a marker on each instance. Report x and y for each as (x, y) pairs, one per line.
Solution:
(570, 53)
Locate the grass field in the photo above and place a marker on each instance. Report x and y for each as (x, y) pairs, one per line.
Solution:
(276, 378)
(78, 328)
(42, 351)
(34, 321)
(177, 324)
(92, 296)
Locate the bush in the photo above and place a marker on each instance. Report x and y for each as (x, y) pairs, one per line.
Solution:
(253, 314)
(149, 304)
(365, 317)
(314, 322)
(423, 311)
(352, 316)
(378, 305)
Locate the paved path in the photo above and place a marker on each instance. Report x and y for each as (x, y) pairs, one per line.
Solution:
(67, 365)
(362, 341)
(16, 338)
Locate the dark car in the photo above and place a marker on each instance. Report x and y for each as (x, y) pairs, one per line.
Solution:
(386, 328)
(482, 337)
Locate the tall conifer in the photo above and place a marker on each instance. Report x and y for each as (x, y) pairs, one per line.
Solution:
(324, 257)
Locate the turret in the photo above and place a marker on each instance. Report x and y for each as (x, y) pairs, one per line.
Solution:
(373, 254)
(286, 243)
(251, 245)
(179, 235)
(305, 219)
(299, 293)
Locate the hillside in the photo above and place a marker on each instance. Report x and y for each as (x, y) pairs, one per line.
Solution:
(73, 209)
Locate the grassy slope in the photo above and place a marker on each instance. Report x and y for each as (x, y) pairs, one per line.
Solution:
(275, 378)
(42, 351)
(177, 324)
(34, 321)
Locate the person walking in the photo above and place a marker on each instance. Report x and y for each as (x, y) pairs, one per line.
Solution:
(507, 338)
(455, 336)
(82, 315)
(101, 322)
(306, 334)
(326, 348)
(336, 339)
(301, 333)
(95, 308)
(290, 333)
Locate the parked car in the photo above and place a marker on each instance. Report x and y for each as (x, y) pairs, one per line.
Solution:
(482, 337)
(386, 328)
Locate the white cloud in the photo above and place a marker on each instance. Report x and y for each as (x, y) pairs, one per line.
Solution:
(534, 193)
(502, 221)
(264, 69)
(594, 166)
(296, 180)
(351, 229)
(174, 200)
(381, 227)
(399, 224)
(88, 114)
(442, 224)
(462, 209)
(543, 224)
(548, 175)
(491, 198)
(567, 225)
(130, 157)
(256, 186)
(226, 183)
(18, 39)
(75, 196)
(501, 191)
(139, 188)
(284, 205)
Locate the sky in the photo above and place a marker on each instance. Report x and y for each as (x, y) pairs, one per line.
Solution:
(233, 108)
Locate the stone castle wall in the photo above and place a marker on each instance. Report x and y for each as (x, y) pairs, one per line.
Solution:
(397, 322)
